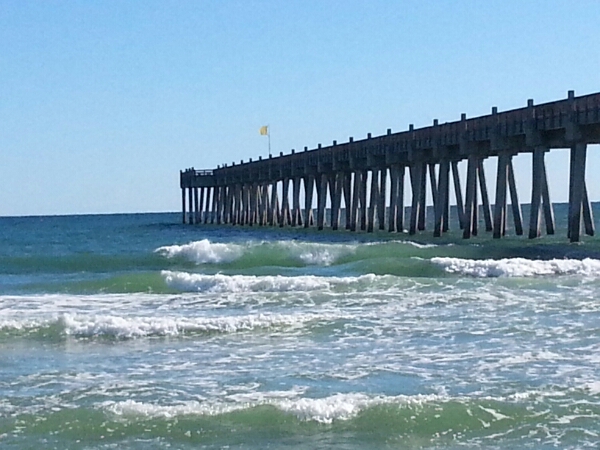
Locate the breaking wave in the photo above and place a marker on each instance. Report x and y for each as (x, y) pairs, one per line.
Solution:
(288, 253)
(219, 283)
(119, 327)
(337, 407)
(518, 267)
(353, 420)
(203, 252)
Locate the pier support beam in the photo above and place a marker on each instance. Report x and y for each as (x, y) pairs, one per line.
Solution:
(400, 200)
(588, 218)
(321, 200)
(201, 204)
(259, 204)
(246, 205)
(393, 211)
(363, 200)
(423, 198)
(442, 200)
(207, 205)
(274, 206)
(356, 188)
(296, 211)
(499, 227)
(536, 193)
(347, 182)
(227, 191)
(228, 199)
(416, 176)
(470, 222)
(285, 203)
(191, 206)
(485, 199)
(539, 192)
(335, 189)
(220, 204)
(547, 204)
(195, 212)
(309, 186)
(196, 201)
(238, 204)
(374, 199)
(183, 205)
(514, 200)
(576, 190)
(265, 203)
(233, 218)
(460, 210)
(381, 200)
(433, 184)
(254, 202)
(242, 203)
(215, 203)
(225, 207)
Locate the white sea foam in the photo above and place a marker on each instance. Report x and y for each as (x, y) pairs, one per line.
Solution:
(314, 253)
(518, 267)
(203, 252)
(344, 406)
(192, 282)
(22, 324)
(131, 327)
(411, 243)
(336, 407)
(593, 387)
(242, 283)
(134, 408)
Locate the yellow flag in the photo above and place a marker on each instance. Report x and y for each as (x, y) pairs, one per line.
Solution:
(264, 131)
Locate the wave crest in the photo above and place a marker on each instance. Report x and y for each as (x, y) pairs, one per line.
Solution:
(123, 327)
(518, 267)
(306, 253)
(203, 252)
(337, 407)
(219, 283)
(132, 327)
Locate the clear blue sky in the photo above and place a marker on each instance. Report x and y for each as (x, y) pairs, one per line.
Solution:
(103, 102)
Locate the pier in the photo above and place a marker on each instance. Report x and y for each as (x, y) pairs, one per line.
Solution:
(282, 191)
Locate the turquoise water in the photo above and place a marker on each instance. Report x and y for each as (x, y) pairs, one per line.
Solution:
(137, 332)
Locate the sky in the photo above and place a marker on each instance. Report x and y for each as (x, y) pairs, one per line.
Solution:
(103, 102)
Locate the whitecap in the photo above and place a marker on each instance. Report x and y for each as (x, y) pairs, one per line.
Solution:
(219, 283)
(203, 252)
(518, 267)
(336, 407)
(242, 283)
(131, 327)
(316, 254)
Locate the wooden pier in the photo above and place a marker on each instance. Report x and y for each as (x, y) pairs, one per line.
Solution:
(344, 173)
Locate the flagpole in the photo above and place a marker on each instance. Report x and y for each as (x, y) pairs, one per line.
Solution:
(266, 130)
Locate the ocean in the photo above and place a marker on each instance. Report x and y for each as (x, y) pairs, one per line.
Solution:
(137, 332)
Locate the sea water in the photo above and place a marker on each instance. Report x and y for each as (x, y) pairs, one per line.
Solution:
(138, 332)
